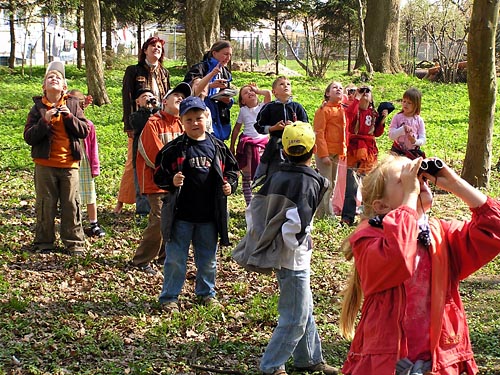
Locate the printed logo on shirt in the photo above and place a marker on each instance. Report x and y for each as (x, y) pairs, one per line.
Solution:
(201, 162)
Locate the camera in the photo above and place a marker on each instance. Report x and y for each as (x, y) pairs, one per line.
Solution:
(431, 166)
(152, 101)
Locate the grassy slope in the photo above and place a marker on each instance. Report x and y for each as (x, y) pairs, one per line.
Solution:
(96, 316)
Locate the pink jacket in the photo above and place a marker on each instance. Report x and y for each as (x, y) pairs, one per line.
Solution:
(384, 259)
(92, 150)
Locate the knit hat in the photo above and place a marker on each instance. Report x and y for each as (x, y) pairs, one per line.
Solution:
(298, 134)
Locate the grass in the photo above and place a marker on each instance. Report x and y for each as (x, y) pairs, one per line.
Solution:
(95, 315)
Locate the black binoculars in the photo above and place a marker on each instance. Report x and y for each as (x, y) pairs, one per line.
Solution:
(364, 89)
(152, 101)
(431, 166)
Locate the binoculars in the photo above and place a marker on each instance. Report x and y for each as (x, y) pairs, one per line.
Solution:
(431, 166)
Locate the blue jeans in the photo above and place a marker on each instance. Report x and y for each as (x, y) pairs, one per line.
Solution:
(296, 334)
(351, 190)
(204, 238)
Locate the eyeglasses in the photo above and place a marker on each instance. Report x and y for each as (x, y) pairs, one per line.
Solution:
(363, 90)
(351, 91)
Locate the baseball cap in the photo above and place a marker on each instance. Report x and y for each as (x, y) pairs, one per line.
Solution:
(56, 65)
(182, 88)
(191, 102)
(142, 91)
(298, 134)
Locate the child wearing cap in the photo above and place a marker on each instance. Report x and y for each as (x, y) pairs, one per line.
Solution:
(199, 172)
(54, 127)
(160, 129)
(279, 223)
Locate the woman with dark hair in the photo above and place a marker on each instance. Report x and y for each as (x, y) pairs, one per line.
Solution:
(214, 65)
(148, 73)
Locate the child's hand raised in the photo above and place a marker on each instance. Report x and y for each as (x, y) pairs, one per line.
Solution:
(409, 182)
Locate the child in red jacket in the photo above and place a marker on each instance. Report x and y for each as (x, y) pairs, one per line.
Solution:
(407, 269)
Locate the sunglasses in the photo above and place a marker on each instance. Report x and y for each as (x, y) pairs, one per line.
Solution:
(351, 91)
(364, 90)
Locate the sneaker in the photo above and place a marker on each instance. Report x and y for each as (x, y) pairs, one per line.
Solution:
(170, 307)
(96, 231)
(146, 268)
(320, 368)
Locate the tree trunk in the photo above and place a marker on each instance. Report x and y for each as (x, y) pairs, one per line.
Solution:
(79, 36)
(481, 83)
(363, 56)
(93, 52)
(382, 35)
(12, 55)
(202, 28)
(108, 25)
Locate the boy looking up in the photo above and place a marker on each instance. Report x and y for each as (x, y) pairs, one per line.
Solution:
(53, 129)
(272, 120)
(199, 172)
(279, 223)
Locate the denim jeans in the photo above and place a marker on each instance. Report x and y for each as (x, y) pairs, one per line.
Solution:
(351, 190)
(296, 334)
(204, 239)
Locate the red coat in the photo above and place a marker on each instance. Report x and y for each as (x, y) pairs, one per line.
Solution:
(384, 258)
(363, 126)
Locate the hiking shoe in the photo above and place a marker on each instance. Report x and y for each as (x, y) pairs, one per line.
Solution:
(319, 368)
(75, 251)
(96, 231)
(170, 307)
(209, 301)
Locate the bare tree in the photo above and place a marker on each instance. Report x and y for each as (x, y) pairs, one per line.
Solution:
(93, 52)
(481, 82)
(202, 27)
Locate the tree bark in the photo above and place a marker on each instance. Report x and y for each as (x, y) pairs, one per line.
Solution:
(382, 35)
(202, 28)
(363, 56)
(482, 87)
(93, 52)
(12, 55)
(79, 63)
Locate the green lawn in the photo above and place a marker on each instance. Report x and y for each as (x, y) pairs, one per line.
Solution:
(94, 315)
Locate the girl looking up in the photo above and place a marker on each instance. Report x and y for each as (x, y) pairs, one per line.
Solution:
(407, 269)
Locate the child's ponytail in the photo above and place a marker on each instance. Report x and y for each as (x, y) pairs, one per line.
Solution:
(352, 297)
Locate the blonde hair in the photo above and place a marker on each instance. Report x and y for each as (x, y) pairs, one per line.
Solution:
(373, 188)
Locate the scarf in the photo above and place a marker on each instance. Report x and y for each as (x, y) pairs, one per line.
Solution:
(157, 79)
